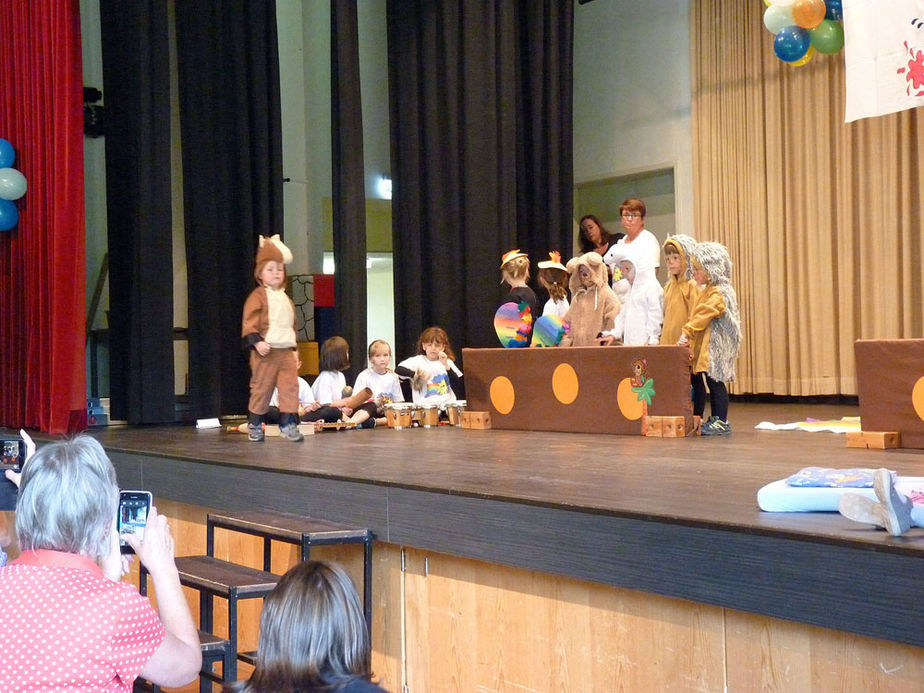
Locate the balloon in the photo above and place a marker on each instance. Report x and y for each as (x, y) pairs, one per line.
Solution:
(834, 10)
(791, 43)
(776, 17)
(827, 37)
(12, 184)
(804, 59)
(9, 215)
(808, 13)
(7, 155)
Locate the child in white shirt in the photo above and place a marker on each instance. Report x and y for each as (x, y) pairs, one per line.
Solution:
(432, 370)
(329, 386)
(382, 381)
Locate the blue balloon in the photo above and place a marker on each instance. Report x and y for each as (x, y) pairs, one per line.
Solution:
(833, 10)
(7, 155)
(791, 44)
(9, 215)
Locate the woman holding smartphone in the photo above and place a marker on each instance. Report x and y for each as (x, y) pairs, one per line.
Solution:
(69, 620)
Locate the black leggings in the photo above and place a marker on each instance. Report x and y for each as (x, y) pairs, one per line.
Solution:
(326, 414)
(718, 396)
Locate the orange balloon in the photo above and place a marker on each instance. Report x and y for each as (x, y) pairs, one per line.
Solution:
(808, 13)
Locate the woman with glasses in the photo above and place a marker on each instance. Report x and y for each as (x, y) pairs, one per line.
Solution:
(638, 241)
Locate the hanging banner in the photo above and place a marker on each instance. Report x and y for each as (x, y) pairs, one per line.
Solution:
(884, 56)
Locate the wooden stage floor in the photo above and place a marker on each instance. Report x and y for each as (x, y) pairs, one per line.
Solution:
(697, 481)
(677, 517)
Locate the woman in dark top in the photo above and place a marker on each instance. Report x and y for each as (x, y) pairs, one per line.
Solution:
(593, 236)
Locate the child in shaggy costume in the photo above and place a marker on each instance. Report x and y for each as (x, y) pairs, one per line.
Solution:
(713, 333)
(594, 306)
(268, 331)
(680, 290)
(639, 321)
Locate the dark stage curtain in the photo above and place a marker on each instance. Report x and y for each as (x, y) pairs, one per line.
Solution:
(349, 204)
(137, 96)
(42, 270)
(232, 181)
(481, 154)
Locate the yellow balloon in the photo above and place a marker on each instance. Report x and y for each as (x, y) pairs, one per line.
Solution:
(805, 58)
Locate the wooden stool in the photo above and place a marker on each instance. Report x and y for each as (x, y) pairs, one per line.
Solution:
(217, 578)
(214, 649)
(300, 530)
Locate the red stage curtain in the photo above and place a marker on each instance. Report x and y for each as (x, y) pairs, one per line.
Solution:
(42, 272)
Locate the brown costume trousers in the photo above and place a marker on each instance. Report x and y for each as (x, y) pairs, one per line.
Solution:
(279, 369)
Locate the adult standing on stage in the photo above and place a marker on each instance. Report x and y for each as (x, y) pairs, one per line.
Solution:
(638, 241)
(593, 236)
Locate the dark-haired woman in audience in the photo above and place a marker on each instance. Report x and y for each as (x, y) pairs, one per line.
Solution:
(313, 636)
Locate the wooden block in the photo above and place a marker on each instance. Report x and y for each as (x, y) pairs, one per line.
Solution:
(874, 440)
(652, 426)
(856, 440)
(696, 426)
(476, 419)
(673, 426)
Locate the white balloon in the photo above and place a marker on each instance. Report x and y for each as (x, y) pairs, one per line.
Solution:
(12, 184)
(776, 17)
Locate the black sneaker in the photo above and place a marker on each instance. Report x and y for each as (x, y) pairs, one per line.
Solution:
(255, 433)
(716, 427)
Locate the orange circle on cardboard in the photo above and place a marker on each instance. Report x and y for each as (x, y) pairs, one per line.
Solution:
(917, 397)
(502, 394)
(565, 383)
(629, 403)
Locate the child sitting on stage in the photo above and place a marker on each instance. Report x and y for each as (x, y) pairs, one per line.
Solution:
(382, 381)
(330, 386)
(713, 334)
(433, 375)
(268, 331)
(639, 321)
(553, 277)
(309, 409)
(680, 290)
(594, 306)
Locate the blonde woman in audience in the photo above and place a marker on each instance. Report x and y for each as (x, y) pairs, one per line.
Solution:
(69, 623)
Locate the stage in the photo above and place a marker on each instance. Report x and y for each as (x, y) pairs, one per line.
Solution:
(669, 516)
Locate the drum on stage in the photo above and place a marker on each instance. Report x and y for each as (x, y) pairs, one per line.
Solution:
(454, 411)
(429, 415)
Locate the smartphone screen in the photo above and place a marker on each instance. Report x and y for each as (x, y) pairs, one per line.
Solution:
(13, 451)
(133, 515)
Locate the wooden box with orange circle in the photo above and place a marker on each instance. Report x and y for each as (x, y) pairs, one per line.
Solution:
(579, 389)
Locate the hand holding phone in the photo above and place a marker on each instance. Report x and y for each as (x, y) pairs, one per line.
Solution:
(12, 453)
(134, 507)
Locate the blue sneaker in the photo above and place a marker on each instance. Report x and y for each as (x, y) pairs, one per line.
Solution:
(716, 427)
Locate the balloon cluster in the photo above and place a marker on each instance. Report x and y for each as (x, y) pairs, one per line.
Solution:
(804, 27)
(12, 187)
